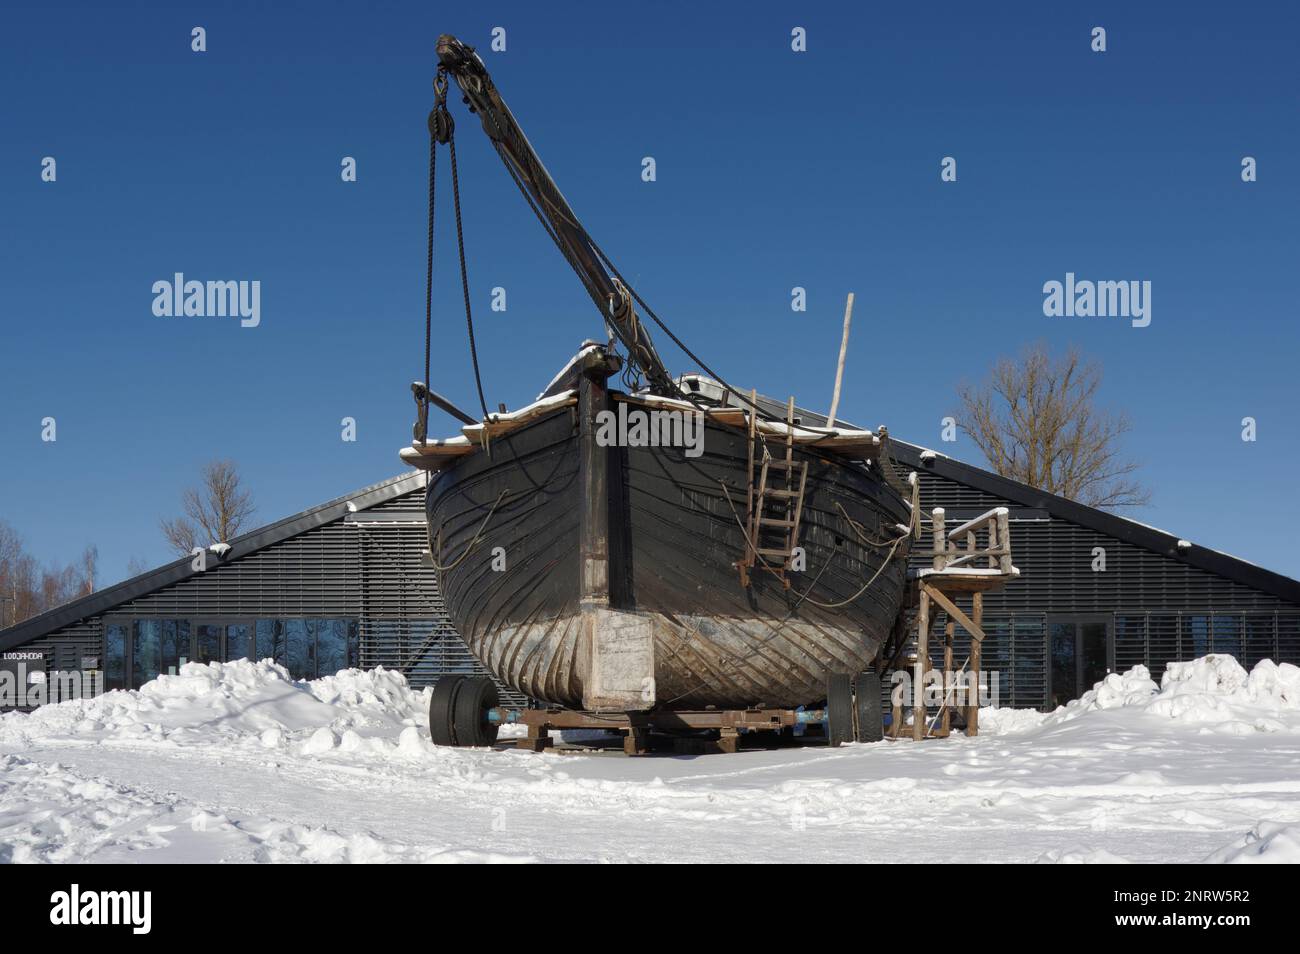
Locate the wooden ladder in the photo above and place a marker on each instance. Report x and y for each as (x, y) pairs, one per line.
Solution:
(774, 511)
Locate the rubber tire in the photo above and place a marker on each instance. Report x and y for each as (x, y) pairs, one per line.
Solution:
(871, 718)
(839, 709)
(442, 708)
(477, 695)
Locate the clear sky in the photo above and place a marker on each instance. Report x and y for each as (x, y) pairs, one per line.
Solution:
(775, 169)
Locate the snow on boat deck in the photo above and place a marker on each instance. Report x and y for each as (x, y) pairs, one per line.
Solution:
(236, 762)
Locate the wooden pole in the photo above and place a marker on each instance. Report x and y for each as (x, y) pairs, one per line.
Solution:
(976, 650)
(940, 540)
(945, 724)
(922, 657)
(839, 368)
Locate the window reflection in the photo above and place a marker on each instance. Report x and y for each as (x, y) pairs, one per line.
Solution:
(237, 639)
(146, 650)
(331, 645)
(309, 648)
(207, 643)
(115, 656)
(138, 650)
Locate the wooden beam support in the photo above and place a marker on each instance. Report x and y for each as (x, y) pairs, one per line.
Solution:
(922, 657)
(945, 719)
(949, 607)
(976, 649)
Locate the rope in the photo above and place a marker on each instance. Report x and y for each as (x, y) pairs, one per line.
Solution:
(433, 551)
(676, 340)
(464, 273)
(865, 586)
(893, 547)
(428, 271)
(948, 692)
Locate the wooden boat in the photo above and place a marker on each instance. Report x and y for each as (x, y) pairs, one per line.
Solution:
(610, 577)
(629, 575)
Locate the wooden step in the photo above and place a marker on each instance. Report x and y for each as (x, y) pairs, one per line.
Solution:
(776, 521)
(783, 554)
(773, 492)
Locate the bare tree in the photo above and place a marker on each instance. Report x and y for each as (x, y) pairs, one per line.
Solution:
(28, 590)
(1036, 420)
(136, 566)
(214, 512)
(89, 564)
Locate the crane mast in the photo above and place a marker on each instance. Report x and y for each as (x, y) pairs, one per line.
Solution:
(610, 295)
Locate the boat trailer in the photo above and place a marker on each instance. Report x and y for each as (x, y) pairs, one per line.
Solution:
(684, 728)
(464, 712)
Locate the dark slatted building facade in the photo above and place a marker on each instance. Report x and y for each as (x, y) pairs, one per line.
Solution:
(1100, 593)
(343, 584)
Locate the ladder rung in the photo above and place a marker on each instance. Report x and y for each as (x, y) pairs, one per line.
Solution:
(768, 552)
(782, 463)
(776, 521)
(773, 492)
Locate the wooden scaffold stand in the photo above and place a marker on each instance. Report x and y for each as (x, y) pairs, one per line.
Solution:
(956, 572)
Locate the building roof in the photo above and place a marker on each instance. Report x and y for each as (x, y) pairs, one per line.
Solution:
(103, 600)
(1139, 534)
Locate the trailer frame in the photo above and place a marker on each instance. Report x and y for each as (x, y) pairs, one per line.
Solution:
(637, 727)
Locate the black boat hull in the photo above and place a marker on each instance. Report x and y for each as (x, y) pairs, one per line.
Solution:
(512, 533)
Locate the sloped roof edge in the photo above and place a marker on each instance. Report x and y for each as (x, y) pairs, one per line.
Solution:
(96, 603)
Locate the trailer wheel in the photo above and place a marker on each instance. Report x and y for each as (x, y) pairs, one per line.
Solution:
(442, 708)
(839, 709)
(477, 695)
(871, 721)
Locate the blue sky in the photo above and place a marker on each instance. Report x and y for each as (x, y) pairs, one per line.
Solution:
(775, 169)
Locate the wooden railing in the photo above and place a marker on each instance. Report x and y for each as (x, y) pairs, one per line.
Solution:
(960, 546)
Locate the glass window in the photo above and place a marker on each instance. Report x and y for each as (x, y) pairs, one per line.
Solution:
(175, 644)
(1259, 638)
(299, 643)
(1288, 638)
(1162, 640)
(1093, 664)
(1065, 664)
(1196, 637)
(1227, 635)
(1028, 676)
(331, 645)
(1130, 642)
(309, 648)
(115, 656)
(146, 650)
(237, 641)
(208, 642)
(270, 640)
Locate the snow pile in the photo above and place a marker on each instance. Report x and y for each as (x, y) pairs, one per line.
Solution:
(1267, 843)
(241, 703)
(1214, 693)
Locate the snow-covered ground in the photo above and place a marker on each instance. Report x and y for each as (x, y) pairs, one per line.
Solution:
(236, 762)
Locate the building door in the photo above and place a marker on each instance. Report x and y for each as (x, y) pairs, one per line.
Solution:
(1080, 650)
